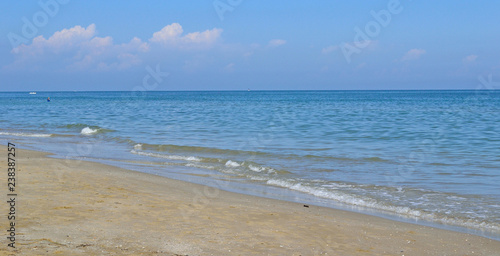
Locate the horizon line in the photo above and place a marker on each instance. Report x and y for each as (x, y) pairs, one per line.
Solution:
(263, 90)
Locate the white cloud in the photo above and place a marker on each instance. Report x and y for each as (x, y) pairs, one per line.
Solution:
(60, 41)
(470, 59)
(171, 35)
(413, 54)
(79, 48)
(229, 67)
(66, 38)
(167, 33)
(124, 61)
(330, 49)
(251, 50)
(276, 42)
(207, 36)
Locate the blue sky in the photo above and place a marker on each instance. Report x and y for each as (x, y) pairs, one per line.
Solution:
(240, 44)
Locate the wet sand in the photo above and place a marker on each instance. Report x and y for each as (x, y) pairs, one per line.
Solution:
(73, 207)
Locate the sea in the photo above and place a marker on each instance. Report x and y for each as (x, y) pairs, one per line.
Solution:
(426, 157)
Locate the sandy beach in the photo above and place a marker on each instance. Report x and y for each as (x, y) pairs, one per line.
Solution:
(68, 207)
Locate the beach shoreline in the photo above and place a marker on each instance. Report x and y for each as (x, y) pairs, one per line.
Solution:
(71, 207)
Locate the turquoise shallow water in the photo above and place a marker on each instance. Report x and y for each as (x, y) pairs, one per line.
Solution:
(426, 155)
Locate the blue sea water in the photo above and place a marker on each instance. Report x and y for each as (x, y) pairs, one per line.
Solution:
(429, 156)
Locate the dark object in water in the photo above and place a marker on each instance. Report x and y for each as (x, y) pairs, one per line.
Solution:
(305, 205)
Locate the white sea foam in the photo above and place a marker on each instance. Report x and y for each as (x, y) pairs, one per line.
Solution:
(361, 201)
(257, 178)
(322, 192)
(261, 169)
(255, 168)
(230, 163)
(342, 193)
(89, 131)
(171, 157)
(345, 198)
(200, 166)
(138, 146)
(20, 134)
(186, 158)
(337, 186)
